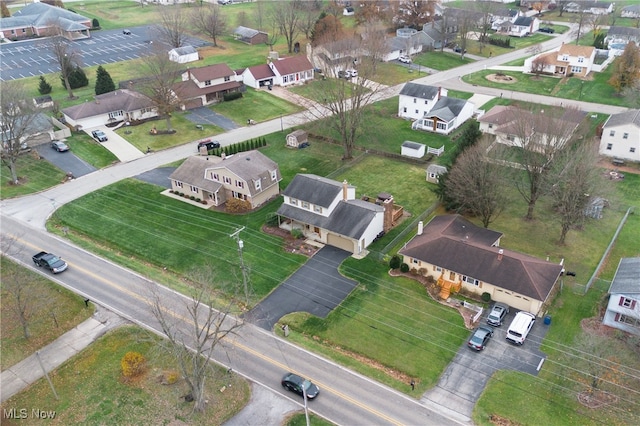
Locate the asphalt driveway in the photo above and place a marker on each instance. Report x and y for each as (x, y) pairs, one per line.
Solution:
(317, 288)
(466, 376)
(65, 161)
(158, 176)
(204, 115)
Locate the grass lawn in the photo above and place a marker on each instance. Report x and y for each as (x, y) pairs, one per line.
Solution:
(53, 311)
(91, 388)
(440, 60)
(36, 175)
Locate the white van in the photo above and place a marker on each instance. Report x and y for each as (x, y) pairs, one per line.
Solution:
(520, 327)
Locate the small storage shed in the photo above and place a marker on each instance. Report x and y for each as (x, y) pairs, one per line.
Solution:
(298, 139)
(434, 171)
(413, 149)
(183, 54)
(250, 36)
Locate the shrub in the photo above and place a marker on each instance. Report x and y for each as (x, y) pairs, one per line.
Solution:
(404, 268)
(236, 205)
(271, 219)
(169, 377)
(133, 364)
(232, 96)
(192, 197)
(486, 297)
(44, 87)
(95, 23)
(198, 199)
(297, 233)
(395, 261)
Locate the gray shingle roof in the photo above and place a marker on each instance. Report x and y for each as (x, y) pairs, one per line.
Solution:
(185, 50)
(412, 145)
(623, 31)
(628, 117)
(245, 32)
(453, 243)
(42, 15)
(118, 100)
(523, 21)
(447, 108)
(314, 189)
(421, 91)
(437, 169)
(627, 277)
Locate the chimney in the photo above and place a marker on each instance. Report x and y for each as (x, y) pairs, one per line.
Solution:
(344, 190)
(439, 92)
(500, 252)
(387, 221)
(420, 227)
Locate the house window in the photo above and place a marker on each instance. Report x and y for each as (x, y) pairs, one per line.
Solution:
(426, 101)
(437, 268)
(628, 320)
(305, 205)
(428, 123)
(580, 59)
(415, 261)
(417, 111)
(470, 280)
(214, 176)
(511, 138)
(404, 109)
(625, 136)
(632, 149)
(432, 175)
(609, 146)
(274, 175)
(293, 201)
(285, 79)
(442, 126)
(415, 100)
(491, 126)
(452, 276)
(317, 209)
(194, 189)
(565, 57)
(612, 133)
(576, 69)
(625, 302)
(115, 114)
(240, 184)
(258, 184)
(227, 180)
(207, 82)
(227, 78)
(178, 184)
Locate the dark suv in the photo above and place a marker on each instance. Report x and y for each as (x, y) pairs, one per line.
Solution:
(209, 144)
(497, 314)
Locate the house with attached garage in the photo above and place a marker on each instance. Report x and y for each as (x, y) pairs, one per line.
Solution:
(327, 211)
(250, 176)
(279, 72)
(521, 26)
(458, 254)
(623, 309)
(111, 107)
(207, 85)
(621, 136)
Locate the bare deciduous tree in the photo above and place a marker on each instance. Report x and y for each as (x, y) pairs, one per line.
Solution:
(572, 181)
(539, 64)
(173, 25)
(308, 16)
(286, 17)
(192, 341)
(209, 20)
(626, 69)
(475, 182)
(17, 122)
(66, 58)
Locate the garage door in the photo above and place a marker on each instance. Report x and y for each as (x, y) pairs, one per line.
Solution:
(514, 300)
(340, 242)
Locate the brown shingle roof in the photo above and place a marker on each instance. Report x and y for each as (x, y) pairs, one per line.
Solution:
(211, 72)
(456, 244)
(292, 64)
(261, 72)
(573, 50)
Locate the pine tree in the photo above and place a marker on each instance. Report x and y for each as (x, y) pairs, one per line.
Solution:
(44, 88)
(77, 78)
(104, 83)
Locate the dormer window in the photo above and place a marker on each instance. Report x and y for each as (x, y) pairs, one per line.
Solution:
(227, 78)
(274, 174)
(258, 184)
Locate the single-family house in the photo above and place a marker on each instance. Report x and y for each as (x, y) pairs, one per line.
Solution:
(446, 115)
(258, 76)
(621, 136)
(250, 176)
(623, 309)
(631, 11)
(207, 85)
(434, 171)
(297, 139)
(567, 60)
(431, 36)
(401, 46)
(41, 20)
(513, 126)
(336, 56)
(522, 26)
(415, 100)
(183, 54)
(412, 149)
(34, 130)
(328, 212)
(618, 37)
(111, 107)
(501, 19)
(458, 254)
(250, 36)
(291, 70)
(593, 7)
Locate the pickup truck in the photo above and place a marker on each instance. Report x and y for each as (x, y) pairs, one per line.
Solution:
(50, 261)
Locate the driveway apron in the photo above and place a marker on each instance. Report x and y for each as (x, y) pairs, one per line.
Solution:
(66, 161)
(204, 115)
(317, 288)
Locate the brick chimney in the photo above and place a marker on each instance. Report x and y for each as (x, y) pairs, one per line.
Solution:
(345, 193)
(387, 222)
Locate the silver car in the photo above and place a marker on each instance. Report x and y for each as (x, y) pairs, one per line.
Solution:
(497, 314)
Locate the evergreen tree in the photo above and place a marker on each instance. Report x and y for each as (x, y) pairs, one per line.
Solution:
(77, 78)
(104, 83)
(95, 23)
(44, 88)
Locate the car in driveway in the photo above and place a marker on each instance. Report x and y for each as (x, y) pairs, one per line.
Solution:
(299, 385)
(405, 59)
(59, 146)
(480, 338)
(547, 30)
(99, 135)
(497, 314)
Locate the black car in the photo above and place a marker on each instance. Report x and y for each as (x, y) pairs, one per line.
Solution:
(209, 144)
(296, 384)
(60, 146)
(547, 30)
(497, 314)
(480, 338)
(99, 135)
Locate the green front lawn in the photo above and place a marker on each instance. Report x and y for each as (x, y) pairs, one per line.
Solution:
(440, 60)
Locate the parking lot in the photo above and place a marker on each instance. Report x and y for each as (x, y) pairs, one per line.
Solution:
(33, 57)
(465, 378)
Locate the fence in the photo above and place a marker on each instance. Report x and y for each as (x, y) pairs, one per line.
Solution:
(436, 151)
(410, 228)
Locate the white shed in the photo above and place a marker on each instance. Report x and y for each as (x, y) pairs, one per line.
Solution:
(298, 139)
(412, 149)
(183, 54)
(434, 171)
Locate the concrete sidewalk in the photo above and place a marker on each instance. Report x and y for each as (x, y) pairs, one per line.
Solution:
(21, 375)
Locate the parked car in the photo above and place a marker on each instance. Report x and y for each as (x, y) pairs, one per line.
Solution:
(547, 30)
(99, 135)
(497, 314)
(354, 73)
(59, 146)
(480, 338)
(296, 384)
(405, 59)
(520, 327)
(209, 144)
(126, 32)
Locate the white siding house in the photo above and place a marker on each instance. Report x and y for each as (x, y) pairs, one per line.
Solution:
(623, 309)
(416, 100)
(621, 136)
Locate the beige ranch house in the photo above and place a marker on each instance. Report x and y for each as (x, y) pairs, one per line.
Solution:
(458, 254)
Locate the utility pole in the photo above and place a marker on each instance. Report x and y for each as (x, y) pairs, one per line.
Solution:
(236, 235)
